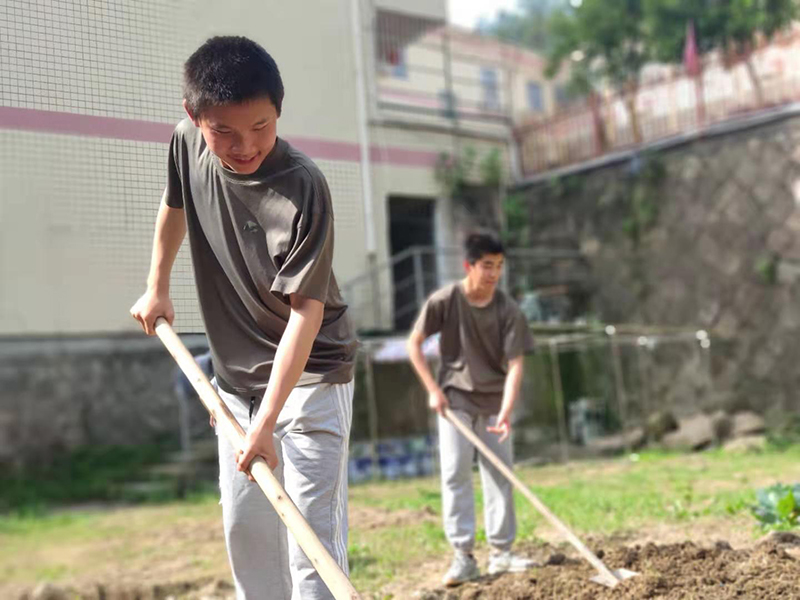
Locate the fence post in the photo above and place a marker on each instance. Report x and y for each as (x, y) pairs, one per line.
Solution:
(372, 409)
(704, 357)
(376, 292)
(558, 395)
(622, 399)
(644, 378)
(419, 278)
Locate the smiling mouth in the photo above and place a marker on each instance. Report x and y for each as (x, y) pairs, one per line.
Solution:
(244, 160)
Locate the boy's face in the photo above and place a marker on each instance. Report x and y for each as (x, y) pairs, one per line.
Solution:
(485, 273)
(241, 135)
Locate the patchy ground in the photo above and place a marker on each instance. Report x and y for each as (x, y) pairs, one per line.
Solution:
(661, 515)
(767, 571)
(368, 517)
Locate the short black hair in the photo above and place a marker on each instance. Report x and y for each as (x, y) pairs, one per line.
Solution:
(480, 243)
(230, 70)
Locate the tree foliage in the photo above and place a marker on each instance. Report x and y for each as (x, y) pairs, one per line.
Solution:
(529, 26)
(732, 26)
(608, 36)
(614, 39)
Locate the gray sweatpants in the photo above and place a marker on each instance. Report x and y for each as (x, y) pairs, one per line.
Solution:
(311, 439)
(458, 503)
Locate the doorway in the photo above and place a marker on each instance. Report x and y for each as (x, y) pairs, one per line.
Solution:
(411, 223)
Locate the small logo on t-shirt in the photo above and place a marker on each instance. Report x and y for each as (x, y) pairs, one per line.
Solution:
(250, 226)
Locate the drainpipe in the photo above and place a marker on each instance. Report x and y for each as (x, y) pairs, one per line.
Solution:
(364, 144)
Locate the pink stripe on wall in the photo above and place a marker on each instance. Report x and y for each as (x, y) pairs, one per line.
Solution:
(403, 157)
(45, 121)
(326, 149)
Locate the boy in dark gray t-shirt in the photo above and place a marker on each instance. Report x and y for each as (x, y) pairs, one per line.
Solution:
(260, 223)
(483, 339)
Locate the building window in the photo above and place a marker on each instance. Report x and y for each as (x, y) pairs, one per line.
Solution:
(535, 99)
(563, 96)
(447, 102)
(491, 91)
(399, 64)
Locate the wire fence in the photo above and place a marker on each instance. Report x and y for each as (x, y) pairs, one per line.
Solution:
(588, 392)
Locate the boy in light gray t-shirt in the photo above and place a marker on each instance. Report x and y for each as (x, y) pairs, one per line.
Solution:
(483, 339)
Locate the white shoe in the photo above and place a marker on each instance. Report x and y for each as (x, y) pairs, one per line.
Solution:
(463, 568)
(508, 562)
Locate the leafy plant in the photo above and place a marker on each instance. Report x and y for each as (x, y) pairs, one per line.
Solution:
(767, 268)
(785, 433)
(647, 179)
(517, 219)
(778, 506)
(491, 168)
(456, 172)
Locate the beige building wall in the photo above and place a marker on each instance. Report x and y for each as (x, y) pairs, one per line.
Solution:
(415, 77)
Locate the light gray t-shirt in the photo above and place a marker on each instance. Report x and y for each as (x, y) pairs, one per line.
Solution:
(256, 239)
(476, 344)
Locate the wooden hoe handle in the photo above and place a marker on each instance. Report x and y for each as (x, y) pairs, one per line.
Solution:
(328, 569)
(607, 576)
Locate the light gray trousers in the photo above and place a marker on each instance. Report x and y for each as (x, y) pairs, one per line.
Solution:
(311, 440)
(458, 503)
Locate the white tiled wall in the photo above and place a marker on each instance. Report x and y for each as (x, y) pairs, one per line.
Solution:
(77, 213)
(77, 216)
(96, 57)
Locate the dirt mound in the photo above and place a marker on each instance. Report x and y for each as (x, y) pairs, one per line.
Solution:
(670, 572)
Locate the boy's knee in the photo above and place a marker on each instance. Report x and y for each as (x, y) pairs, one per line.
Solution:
(458, 478)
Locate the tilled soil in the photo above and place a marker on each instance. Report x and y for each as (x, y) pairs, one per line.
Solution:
(769, 570)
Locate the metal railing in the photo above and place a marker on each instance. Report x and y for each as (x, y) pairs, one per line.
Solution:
(671, 105)
(388, 296)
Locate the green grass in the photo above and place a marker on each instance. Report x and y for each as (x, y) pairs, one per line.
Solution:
(88, 474)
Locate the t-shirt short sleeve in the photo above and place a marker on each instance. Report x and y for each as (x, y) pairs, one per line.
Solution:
(173, 193)
(431, 317)
(308, 265)
(517, 338)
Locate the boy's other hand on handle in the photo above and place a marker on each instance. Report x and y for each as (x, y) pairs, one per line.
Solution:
(257, 442)
(438, 401)
(502, 427)
(151, 306)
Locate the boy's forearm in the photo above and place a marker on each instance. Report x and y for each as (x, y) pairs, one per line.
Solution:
(420, 365)
(169, 233)
(512, 386)
(290, 358)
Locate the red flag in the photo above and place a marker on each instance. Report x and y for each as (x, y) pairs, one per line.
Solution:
(691, 58)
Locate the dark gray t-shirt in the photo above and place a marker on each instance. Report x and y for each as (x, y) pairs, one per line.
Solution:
(256, 239)
(476, 344)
